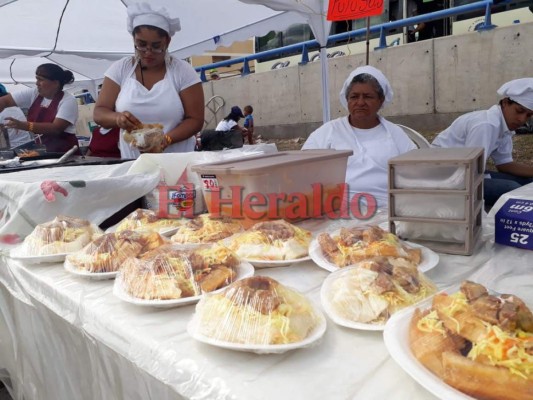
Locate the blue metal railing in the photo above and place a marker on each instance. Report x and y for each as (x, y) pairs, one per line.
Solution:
(381, 28)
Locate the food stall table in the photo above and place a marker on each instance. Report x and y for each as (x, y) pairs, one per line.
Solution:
(63, 337)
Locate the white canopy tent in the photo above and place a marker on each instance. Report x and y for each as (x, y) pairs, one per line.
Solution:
(314, 12)
(86, 36)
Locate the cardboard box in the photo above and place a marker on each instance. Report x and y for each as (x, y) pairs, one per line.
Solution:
(514, 224)
(292, 185)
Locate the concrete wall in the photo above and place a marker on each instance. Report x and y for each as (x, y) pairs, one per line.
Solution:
(434, 81)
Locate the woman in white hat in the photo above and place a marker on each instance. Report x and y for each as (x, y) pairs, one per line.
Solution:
(152, 87)
(493, 129)
(373, 139)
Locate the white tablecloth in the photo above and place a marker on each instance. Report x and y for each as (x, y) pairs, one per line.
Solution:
(62, 337)
(31, 197)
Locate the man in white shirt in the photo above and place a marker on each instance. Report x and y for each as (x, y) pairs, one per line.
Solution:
(493, 129)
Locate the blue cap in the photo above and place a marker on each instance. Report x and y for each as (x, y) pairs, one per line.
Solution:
(3, 90)
(237, 111)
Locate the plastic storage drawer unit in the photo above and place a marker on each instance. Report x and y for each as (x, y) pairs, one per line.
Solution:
(436, 197)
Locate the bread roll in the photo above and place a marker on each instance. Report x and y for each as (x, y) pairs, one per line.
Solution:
(149, 138)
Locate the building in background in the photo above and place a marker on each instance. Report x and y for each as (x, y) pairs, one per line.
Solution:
(503, 13)
(237, 49)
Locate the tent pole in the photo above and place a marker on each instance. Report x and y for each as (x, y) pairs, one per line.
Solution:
(367, 39)
(326, 112)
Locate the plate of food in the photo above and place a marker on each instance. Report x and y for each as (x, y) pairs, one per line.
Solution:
(348, 246)
(108, 252)
(315, 335)
(18, 254)
(276, 263)
(364, 296)
(144, 219)
(98, 276)
(170, 276)
(465, 343)
(52, 241)
(252, 315)
(206, 229)
(270, 244)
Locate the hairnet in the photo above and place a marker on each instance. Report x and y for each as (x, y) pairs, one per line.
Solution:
(376, 73)
(520, 91)
(142, 14)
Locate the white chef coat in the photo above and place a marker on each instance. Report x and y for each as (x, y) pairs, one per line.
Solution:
(161, 104)
(367, 168)
(485, 128)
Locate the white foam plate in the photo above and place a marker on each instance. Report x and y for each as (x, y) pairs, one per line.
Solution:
(169, 231)
(264, 263)
(244, 270)
(335, 317)
(430, 259)
(313, 337)
(50, 258)
(396, 337)
(332, 313)
(190, 246)
(89, 275)
(275, 263)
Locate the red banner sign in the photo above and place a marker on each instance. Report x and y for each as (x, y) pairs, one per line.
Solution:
(341, 10)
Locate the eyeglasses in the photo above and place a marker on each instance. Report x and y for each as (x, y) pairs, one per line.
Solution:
(144, 49)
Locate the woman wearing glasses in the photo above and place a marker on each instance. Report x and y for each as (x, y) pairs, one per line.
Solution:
(52, 113)
(152, 87)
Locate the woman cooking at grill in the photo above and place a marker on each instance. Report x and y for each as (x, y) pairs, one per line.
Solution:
(153, 87)
(52, 112)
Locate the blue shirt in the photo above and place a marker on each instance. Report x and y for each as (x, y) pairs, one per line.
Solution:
(249, 118)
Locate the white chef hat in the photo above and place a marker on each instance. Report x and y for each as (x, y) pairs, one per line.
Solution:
(376, 73)
(520, 91)
(142, 14)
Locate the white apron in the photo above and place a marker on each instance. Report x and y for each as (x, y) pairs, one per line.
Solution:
(160, 105)
(367, 169)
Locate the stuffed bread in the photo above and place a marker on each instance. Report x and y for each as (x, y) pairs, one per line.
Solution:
(481, 344)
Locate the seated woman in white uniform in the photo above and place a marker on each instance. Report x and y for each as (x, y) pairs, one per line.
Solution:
(373, 139)
(153, 87)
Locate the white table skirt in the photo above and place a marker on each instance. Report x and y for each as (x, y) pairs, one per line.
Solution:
(62, 337)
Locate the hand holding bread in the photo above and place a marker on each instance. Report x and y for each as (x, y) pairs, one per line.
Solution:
(148, 138)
